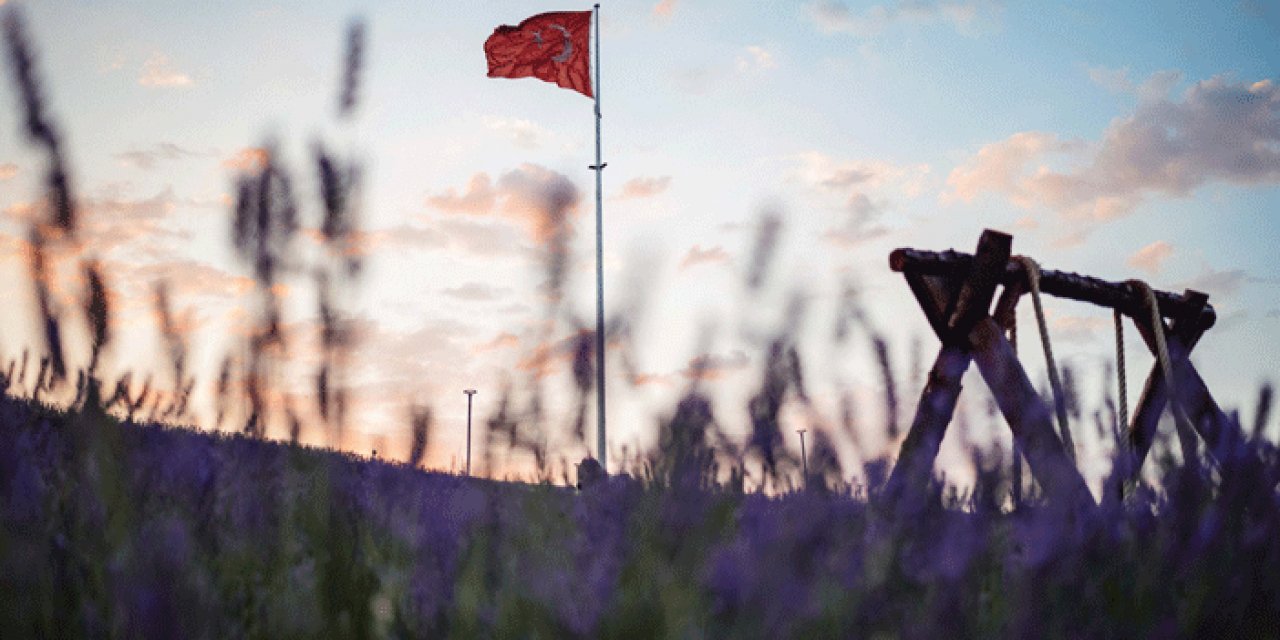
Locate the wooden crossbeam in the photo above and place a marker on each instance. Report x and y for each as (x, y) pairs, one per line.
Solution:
(955, 291)
(967, 331)
(1208, 419)
(1113, 295)
(951, 315)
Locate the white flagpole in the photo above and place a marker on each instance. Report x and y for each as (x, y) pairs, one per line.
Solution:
(598, 167)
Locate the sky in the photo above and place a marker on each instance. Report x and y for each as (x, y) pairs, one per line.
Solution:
(1119, 140)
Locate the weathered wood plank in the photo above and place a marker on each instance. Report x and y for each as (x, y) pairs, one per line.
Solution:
(933, 414)
(933, 299)
(974, 300)
(1028, 416)
(938, 400)
(1208, 419)
(1113, 295)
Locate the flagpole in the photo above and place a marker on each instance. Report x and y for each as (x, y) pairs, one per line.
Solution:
(598, 167)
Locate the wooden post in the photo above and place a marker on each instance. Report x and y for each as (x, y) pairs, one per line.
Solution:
(1028, 416)
(1201, 409)
(955, 291)
(938, 400)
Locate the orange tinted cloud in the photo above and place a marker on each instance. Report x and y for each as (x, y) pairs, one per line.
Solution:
(247, 160)
(1150, 257)
(477, 198)
(644, 187)
(503, 340)
(709, 366)
(1218, 131)
(7, 171)
(697, 255)
(535, 198)
(159, 71)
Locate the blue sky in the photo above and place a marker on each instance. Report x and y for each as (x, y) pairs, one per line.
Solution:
(1119, 141)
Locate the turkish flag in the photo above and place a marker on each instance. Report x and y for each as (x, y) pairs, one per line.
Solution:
(549, 46)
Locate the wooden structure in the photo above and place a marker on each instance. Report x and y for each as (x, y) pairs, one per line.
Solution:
(956, 291)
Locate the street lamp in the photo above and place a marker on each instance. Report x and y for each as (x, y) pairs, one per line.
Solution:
(804, 458)
(470, 393)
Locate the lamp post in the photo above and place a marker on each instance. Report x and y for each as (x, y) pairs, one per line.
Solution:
(470, 393)
(804, 458)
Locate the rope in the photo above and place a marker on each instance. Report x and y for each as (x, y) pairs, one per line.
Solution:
(1186, 436)
(1017, 451)
(1121, 375)
(1033, 278)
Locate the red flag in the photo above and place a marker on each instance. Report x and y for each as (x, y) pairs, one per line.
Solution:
(549, 46)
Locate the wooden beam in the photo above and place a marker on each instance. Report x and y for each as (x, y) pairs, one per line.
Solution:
(1202, 410)
(934, 297)
(1007, 306)
(1113, 295)
(1028, 416)
(933, 413)
(938, 400)
(974, 300)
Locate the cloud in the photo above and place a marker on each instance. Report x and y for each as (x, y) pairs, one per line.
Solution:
(403, 236)
(697, 255)
(714, 367)
(849, 237)
(1000, 165)
(12, 247)
(1113, 80)
(1220, 283)
(1150, 257)
(247, 160)
(23, 213)
(522, 133)
(1219, 132)
(1077, 329)
(475, 292)
(546, 357)
(699, 80)
(478, 238)
(478, 198)
(833, 16)
(845, 177)
(187, 278)
(1158, 86)
(158, 71)
(860, 190)
(756, 57)
(7, 171)
(644, 187)
(148, 159)
(503, 340)
(535, 198)
(664, 8)
(642, 379)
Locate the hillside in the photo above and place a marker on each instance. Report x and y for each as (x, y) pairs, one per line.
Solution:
(140, 530)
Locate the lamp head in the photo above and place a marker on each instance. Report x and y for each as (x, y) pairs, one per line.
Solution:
(470, 392)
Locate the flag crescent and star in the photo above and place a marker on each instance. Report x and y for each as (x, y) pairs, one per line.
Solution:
(549, 46)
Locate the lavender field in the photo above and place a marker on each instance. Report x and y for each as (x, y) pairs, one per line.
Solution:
(112, 528)
(121, 518)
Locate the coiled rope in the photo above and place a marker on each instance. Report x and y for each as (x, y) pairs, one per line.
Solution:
(1033, 278)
